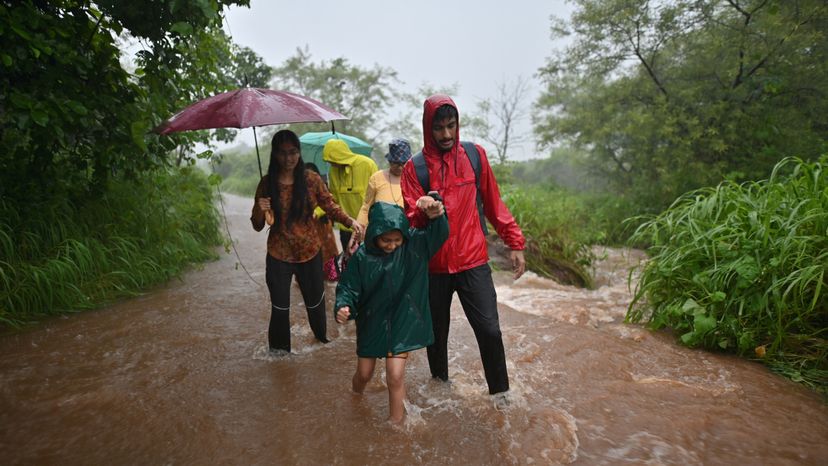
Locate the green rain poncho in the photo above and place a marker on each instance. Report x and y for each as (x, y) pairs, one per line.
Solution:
(388, 293)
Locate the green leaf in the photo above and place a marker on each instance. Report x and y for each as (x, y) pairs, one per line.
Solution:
(747, 268)
(691, 306)
(21, 101)
(183, 28)
(214, 179)
(689, 338)
(7, 60)
(702, 323)
(21, 32)
(207, 9)
(718, 296)
(138, 129)
(77, 107)
(40, 117)
(746, 341)
(22, 120)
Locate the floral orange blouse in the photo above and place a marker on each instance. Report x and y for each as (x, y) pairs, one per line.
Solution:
(300, 242)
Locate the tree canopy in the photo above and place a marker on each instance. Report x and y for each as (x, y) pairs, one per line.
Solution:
(362, 94)
(71, 115)
(666, 96)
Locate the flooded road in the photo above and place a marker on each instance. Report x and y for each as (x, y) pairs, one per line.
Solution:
(181, 375)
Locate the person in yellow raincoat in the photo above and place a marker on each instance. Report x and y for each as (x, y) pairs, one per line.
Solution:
(347, 180)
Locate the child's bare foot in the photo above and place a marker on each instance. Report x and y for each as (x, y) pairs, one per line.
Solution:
(397, 421)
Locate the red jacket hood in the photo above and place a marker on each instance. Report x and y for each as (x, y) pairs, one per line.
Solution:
(429, 109)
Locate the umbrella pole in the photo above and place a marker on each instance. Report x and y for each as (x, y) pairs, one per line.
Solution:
(258, 159)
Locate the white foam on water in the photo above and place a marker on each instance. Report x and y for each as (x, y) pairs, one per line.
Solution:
(650, 449)
(535, 295)
(541, 435)
(716, 382)
(262, 352)
(413, 416)
(302, 341)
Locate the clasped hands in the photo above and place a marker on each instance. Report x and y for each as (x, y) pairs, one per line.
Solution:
(431, 207)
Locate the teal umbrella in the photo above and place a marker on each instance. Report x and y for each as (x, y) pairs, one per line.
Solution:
(313, 143)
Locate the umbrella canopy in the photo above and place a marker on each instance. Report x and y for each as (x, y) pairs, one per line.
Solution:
(248, 107)
(313, 143)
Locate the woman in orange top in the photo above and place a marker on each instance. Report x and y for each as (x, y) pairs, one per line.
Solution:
(293, 242)
(384, 185)
(325, 225)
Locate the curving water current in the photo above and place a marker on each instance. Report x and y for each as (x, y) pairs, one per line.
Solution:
(181, 375)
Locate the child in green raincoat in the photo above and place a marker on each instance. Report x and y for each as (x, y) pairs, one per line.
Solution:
(385, 289)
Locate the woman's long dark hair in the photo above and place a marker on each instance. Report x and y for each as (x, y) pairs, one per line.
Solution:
(299, 202)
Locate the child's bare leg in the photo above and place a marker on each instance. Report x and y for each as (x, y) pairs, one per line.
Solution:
(363, 374)
(395, 379)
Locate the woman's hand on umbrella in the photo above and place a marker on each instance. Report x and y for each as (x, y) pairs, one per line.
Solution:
(264, 203)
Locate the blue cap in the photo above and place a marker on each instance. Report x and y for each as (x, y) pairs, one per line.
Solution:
(399, 151)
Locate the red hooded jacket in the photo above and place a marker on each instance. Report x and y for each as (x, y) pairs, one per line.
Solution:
(451, 175)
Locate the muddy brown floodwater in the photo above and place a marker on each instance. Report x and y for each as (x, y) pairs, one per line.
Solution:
(181, 375)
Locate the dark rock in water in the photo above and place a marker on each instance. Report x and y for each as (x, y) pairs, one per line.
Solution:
(554, 268)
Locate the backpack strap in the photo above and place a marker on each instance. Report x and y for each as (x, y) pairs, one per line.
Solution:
(474, 159)
(421, 169)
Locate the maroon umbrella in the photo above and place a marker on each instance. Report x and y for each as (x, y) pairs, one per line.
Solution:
(249, 107)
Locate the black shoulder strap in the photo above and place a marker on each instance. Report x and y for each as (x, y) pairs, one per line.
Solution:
(474, 159)
(421, 169)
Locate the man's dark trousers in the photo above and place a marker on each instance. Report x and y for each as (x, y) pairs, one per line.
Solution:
(479, 299)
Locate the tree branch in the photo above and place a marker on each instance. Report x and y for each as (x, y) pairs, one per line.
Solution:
(617, 160)
(637, 51)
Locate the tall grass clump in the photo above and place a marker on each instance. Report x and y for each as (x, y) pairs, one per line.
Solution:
(556, 227)
(61, 255)
(742, 268)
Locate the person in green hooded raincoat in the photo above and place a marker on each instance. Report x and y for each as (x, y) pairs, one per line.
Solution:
(348, 181)
(385, 289)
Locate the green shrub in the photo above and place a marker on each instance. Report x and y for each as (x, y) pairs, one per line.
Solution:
(557, 230)
(742, 268)
(63, 256)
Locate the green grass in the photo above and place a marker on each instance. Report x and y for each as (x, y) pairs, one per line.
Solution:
(742, 268)
(62, 256)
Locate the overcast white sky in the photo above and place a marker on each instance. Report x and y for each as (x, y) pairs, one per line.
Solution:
(474, 43)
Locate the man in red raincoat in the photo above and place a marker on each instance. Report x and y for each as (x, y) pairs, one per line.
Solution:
(461, 265)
